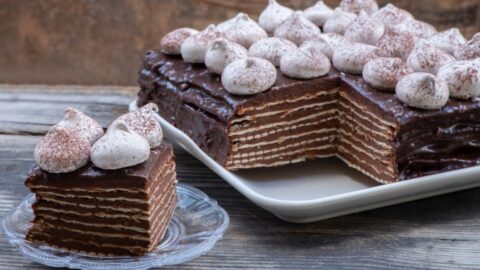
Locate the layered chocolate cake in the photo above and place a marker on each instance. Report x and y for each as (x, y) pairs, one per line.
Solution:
(119, 203)
(388, 98)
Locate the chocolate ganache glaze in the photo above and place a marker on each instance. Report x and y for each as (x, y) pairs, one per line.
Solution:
(424, 141)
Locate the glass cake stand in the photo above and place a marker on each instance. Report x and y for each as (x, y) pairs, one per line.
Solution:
(197, 224)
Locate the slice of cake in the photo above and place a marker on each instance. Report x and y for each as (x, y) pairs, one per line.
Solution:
(119, 203)
(387, 97)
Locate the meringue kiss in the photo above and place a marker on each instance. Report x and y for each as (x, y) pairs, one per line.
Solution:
(326, 43)
(355, 6)
(305, 64)
(338, 22)
(82, 124)
(418, 28)
(351, 58)
(448, 40)
(62, 150)
(171, 42)
(391, 15)
(395, 43)
(271, 49)
(249, 76)
(383, 73)
(462, 78)
(297, 28)
(319, 13)
(121, 147)
(422, 90)
(469, 50)
(221, 53)
(194, 48)
(144, 123)
(242, 30)
(427, 58)
(273, 15)
(364, 29)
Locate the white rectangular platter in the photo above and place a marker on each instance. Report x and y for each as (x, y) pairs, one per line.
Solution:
(323, 188)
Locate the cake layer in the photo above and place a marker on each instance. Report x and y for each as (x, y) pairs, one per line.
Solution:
(129, 216)
(372, 130)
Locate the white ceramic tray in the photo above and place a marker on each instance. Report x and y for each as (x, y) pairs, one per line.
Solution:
(323, 188)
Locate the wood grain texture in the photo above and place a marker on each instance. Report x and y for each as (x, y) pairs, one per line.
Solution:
(102, 42)
(436, 233)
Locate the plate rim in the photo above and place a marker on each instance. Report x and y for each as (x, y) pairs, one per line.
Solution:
(204, 247)
(425, 186)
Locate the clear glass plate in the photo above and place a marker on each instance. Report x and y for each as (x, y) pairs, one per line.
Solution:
(197, 224)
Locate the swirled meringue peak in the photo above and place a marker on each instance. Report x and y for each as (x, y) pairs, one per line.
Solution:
(195, 47)
(355, 6)
(305, 64)
(397, 44)
(144, 123)
(338, 22)
(391, 15)
(319, 13)
(271, 49)
(383, 73)
(297, 28)
(416, 27)
(351, 58)
(121, 147)
(171, 42)
(448, 40)
(462, 78)
(273, 15)
(242, 30)
(82, 124)
(427, 58)
(62, 150)
(326, 43)
(469, 50)
(221, 53)
(422, 90)
(249, 76)
(364, 29)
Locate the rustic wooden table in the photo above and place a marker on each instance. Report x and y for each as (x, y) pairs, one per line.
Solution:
(436, 233)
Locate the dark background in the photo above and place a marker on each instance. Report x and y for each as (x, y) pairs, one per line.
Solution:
(93, 42)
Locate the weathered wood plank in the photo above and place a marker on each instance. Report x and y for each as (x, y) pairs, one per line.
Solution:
(435, 233)
(102, 42)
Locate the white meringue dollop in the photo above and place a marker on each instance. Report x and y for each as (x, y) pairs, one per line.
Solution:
(355, 6)
(352, 58)
(364, 29)
(462, 78)
(171, 42)
(319, 13)
(81, 123)
(195, 47)
(62, 150)
(242, 30)
(326, 43)
(144, 123)
(221, 53)
(469, 50)
(305, 64)
(249, 76)
(384, 73)
(448, 40)
(391, 15)
(418, 28)
(271, 49)
(338, 22)
(397, 44)
(297, 28)
(427, 58)
(273, 15)
(121, 147)
(423, 91)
